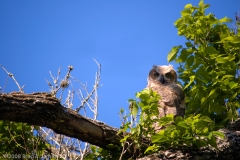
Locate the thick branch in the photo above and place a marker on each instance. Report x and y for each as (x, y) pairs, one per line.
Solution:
(44, 110)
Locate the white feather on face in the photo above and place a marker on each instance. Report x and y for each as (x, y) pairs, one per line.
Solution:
(162, 75)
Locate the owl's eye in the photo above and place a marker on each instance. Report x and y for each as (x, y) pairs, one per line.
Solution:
(156, 74)
(168, 75)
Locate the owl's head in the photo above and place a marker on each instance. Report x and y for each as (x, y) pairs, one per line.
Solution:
(163, 74)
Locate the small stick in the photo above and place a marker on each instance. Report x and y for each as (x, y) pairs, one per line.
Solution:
(11, 75)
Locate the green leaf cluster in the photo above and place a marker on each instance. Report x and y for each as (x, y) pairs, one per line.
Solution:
(208, 64)
(193, 131)
(143, 114)
(97, 153)
(143, 111)
(18, 138)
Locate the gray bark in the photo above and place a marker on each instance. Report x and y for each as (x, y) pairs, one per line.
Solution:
(44, 110)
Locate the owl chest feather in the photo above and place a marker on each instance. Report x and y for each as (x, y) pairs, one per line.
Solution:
(170, 94)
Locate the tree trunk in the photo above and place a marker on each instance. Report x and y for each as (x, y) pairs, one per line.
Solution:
(43, 109)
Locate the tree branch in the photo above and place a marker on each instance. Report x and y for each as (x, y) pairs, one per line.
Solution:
(44, 110)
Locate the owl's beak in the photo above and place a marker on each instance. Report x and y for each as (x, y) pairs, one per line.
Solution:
(162, 79)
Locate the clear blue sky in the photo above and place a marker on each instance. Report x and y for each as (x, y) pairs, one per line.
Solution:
(125, 37)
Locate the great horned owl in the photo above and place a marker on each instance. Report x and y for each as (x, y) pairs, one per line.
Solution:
(163, 80)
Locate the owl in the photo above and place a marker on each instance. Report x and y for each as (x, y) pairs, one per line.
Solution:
(163, 80)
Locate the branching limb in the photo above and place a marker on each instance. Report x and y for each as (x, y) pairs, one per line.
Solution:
(92, 93)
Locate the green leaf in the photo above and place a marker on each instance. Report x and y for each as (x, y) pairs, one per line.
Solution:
(152, 148)
(178, 119)
(173, 53)
(212, 140)
(154, 108)
(179, 22)
(190, 61)
(121, 110)
(233, 96)
(125, 138)
(159, 137)
(201, 72)
(188, 44)
(206, 119)
(227, 76)
(166, 120)
(233, 84)
(221, 60)
(201, 3)
(225, 19)
(236, 40)
(188, 5)
(183, 124)
(212, 91)
(185, 12)
(135, 109)
(183, 55)
(211, 50)
(19, 127)
(219, 134)
(191, 81)
(170, 128)
(232, 39)
(143, 95)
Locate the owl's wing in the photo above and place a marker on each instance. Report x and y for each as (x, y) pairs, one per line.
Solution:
(178, 91)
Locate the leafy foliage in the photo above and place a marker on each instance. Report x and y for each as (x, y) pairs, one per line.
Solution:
(100, 153)
(194, 130)
(141, 120)
(208, 64)
(19, 139)
(142, 113)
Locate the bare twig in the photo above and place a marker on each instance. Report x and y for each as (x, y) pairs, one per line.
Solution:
(93, 92)
(5, 84)
(11, 75)
(63, 145)
(125, 149)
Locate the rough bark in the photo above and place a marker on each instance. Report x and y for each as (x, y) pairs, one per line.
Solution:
(44, 110)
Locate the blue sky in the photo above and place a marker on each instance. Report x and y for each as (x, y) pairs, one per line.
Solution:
(125, 37)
